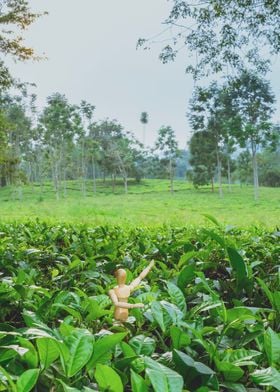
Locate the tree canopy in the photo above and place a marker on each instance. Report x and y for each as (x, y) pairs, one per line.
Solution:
(15, 17)
(221, 34)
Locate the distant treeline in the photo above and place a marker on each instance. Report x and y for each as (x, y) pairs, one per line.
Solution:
(65, 142)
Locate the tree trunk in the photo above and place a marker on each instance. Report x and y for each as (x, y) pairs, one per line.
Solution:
(64, 183)
(255, 170)
(219, 167)
(229, 174)
(144, 135)
(55, 180)
(113, 182)
(3, 181)
(83, 171)
(212, 184)
(93, 175)
(171, 175)
(125, 184)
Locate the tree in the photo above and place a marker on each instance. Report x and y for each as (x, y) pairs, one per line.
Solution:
(269, 163)
(210, 111)
(144, 118)
(253, 99)
(86, 112)
(244, 167)
(15, 16)
(3, 149)
(221, 34)
(168, 145)
(60, 124)
(16, 139)
(202, 159)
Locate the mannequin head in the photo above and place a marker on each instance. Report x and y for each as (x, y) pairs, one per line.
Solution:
(120, 276)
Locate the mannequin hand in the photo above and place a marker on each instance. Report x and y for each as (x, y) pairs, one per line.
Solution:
(138, 306)
(152, 263)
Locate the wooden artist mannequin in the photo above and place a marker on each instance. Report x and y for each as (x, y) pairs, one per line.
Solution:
(120, 294)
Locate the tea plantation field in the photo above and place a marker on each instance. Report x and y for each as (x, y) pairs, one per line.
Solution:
(211, 320)
(147, 204)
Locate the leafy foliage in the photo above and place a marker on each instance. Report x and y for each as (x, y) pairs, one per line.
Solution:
(211, 320)
(222, 35)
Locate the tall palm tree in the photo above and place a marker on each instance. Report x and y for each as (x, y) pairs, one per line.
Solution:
(144, 118)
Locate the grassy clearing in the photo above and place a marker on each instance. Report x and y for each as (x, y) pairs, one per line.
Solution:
(149, 204)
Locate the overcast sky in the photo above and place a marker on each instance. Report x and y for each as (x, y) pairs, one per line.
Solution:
(91, 53)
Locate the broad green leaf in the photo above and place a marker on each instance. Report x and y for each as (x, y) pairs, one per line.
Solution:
(241, 357)
(179, 338)
(214, 236)
(66, 388)
(186, 364)
(123, 363)
(238, 265)
(239, 313)
(176, 296)
(212, 219)
(18, 349)
(48, 351)
(81, 347)
(64, 353)
(266, 290)
(186, 276)
(163, 378)
(272, 347)
(235, 387)
(12, 385)
(27, 380)
(158, 314)
(103, 346)
(186, 257)
(127, 350)
(171, 314)
(159, 380)
(108, 379)
(267, 377)
(94, 310)
(137, 382)
(69, 310)
(143, 345)
(276, 300)
(230, 371)
(31, 357)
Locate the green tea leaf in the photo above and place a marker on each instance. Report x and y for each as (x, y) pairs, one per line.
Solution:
(48, 351)
(238, 265)
(230, 371)
(179, 338)
(177, 296)
(81, 348)
(108, 379)
(27, 380)
(158, 315)
(163, 378)
(267, 377)
(137, 382)
(186, 276)
(272, 347)
(103, 346)
(143, 345)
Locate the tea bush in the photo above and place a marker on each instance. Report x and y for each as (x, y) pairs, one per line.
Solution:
(211, 320)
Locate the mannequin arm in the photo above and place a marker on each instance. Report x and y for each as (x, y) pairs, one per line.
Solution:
(123, 305)
(142, 276)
